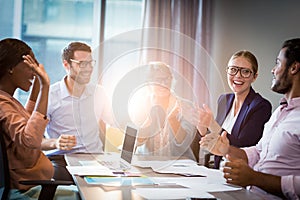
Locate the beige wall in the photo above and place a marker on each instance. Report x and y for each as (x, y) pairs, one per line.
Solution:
(257, 25)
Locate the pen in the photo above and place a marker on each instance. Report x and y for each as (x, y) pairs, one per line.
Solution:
(200, 198)
(180, 165)
(190, 175)
(119, 173)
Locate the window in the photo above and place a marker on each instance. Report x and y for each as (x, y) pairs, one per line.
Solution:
(49, 25)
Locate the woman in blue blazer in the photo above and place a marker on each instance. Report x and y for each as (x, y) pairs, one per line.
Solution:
(244, 112)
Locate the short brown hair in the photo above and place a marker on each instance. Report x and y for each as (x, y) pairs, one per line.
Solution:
(68, 52)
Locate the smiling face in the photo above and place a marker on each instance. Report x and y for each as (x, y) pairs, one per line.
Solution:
(160, 77)
(237, 83)
(281, 82)
(81, 75)
(14, 72)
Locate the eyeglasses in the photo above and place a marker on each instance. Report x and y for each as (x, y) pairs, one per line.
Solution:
(166, 80)
(233, 70)
(84, 64)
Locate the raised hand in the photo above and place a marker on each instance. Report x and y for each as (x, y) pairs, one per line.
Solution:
(205, 116)
(38, 69)
(189, 112)
(216, 144)
(206, 119)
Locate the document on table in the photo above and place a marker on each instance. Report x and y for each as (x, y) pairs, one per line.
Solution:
(183, 167)
(197, 183)
(119, 180)
(92, 170)
(195, 187)
(171, 193)
(161, 164)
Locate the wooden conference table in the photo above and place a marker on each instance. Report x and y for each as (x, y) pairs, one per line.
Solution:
(92, 192)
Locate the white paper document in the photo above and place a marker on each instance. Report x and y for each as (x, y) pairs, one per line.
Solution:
(157, 164)
(197, 183)
(186, 168)
(195, 187)
(90, 170)
(171, 193)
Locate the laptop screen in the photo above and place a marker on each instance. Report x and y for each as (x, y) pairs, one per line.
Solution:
(129, 143)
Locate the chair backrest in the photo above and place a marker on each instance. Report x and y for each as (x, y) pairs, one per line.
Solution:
(4, 170)
(195, 146)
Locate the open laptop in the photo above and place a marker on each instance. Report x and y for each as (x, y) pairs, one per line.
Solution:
(124, 163)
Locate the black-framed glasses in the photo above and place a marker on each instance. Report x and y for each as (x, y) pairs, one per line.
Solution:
(233, 70)
(84, 64)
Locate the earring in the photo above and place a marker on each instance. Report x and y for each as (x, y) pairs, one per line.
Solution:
(10, 71)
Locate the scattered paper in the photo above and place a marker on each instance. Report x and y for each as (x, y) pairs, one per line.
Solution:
(171, 193)
(119, 181)
(89, 170)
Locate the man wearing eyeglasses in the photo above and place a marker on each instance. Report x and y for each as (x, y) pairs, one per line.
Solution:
(76, 110)
(244, 112)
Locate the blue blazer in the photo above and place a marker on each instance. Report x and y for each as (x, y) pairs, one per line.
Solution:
(249, 125)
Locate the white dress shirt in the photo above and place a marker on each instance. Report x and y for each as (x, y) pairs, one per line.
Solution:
(278, 151)
(76, 116)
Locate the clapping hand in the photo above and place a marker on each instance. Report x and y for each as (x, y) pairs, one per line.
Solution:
(205, 116)
(237, 172)
(189, 112)
(66, 142)
(216, 144)
(206, 119)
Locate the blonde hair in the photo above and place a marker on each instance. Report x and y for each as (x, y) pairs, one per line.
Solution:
(158, 67)
(249, 56)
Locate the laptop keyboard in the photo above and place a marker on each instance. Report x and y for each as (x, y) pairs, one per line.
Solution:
(108, 164)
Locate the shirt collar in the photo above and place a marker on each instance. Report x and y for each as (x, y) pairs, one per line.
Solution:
(291, 103)
(65, 93)
(63, 88)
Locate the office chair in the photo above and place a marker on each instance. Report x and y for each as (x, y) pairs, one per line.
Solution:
(195, 146)
(48, 186)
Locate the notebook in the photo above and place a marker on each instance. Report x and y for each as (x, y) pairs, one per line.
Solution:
(124, 163)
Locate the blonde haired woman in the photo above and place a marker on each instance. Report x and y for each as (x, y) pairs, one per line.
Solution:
(163, 130)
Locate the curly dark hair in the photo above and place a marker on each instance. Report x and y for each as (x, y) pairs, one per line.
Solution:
(11, 52)
(292, 53)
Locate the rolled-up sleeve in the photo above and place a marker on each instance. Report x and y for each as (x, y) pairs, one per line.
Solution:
(290, 186)
(34, 130)
(252, 155)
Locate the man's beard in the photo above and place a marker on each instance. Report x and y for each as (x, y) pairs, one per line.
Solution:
(283, 85)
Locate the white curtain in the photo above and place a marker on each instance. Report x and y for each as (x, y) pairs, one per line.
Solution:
(177, 32)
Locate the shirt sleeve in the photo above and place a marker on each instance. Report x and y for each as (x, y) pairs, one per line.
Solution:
(34, 130)
(23, 128)
(252, 155)
(290, 186)
(29, 107)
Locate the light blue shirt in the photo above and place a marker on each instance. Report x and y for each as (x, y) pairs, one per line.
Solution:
(278, 151)
(75, 116)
